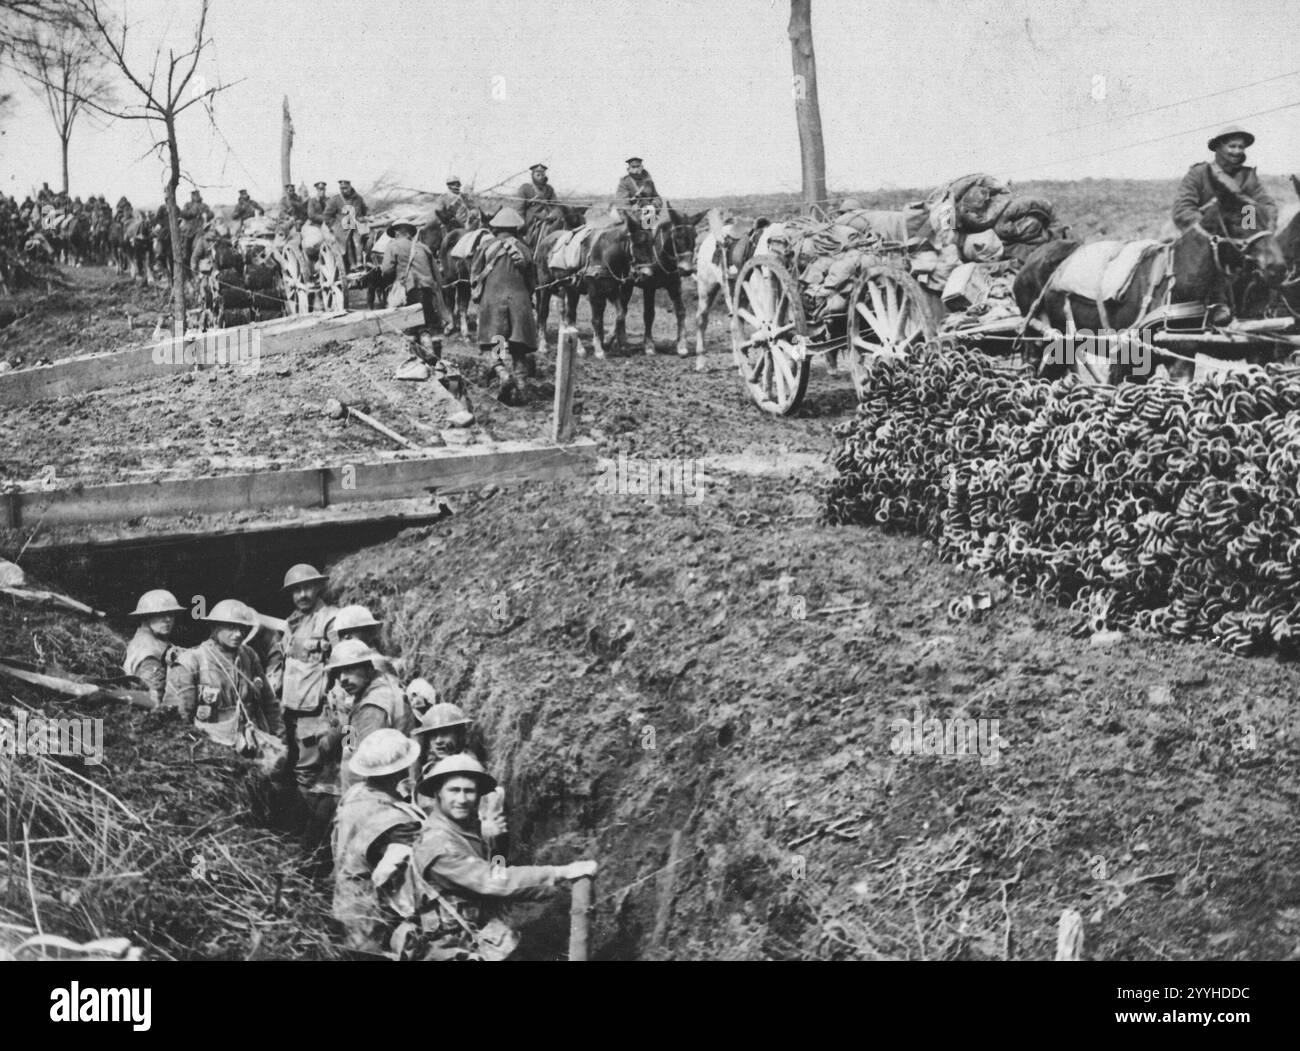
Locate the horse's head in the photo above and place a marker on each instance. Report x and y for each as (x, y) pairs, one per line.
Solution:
(673, 238)
(1257, 257)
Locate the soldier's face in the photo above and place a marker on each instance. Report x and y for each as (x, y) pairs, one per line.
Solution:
(355, 679)
(634, 169)
(162, 626)
(539, 178)
(1231, 152)
(305, 595)
(447, 741)
(458, 798)
(229, 636)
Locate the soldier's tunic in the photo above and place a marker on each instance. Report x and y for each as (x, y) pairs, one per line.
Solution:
(368, 822)
(1199, 188)
(245, 208)
(298, 667)
(502, 281)
(212, 687)
(532, 198)
(146, 659)
(453, 209)
(317, 207)
(454, 860)
(633, 191)
(382, 705)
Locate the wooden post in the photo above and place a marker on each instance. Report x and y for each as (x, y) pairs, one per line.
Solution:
(286, 144)
(580, 917)
(812, 149)
(562, 423)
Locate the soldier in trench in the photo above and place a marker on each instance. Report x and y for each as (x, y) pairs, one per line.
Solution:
(147, 653)
(443, 732)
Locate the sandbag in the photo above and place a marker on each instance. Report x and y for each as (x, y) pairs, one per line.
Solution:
(842, 271)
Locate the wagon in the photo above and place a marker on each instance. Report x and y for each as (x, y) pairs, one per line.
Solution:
(778, 324)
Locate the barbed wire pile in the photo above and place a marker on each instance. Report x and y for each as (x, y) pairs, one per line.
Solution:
(1166, 508)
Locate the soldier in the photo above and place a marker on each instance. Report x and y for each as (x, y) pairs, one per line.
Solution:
(194, 216)
(1244, 205)
(245, 208)
(444, 732)
(298, 674)
(376, 701)
(346, 215)
(502, 281)
(534, 194)
(45, 194)
(357, 622)
(318, 205)
(637, 187)
(410, 261)
(421, 695)
(461, 890)
(292, 207)
(147, 652)
(373, 833)
(453, 207)
(220, 683)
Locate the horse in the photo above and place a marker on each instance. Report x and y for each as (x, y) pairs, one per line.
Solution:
(1288, 240)
(161, 247)
(131, 244)
(1205, 268)
(548, 222)
(722, 252)
(455, 268)
(643, 252)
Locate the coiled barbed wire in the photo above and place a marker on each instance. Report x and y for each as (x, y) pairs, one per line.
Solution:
(1168, 508)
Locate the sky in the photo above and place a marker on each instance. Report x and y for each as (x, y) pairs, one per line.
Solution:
(912, 94)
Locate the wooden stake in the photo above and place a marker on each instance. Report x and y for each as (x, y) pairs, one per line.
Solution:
(565, 371)
(375, 425)
(580, 916)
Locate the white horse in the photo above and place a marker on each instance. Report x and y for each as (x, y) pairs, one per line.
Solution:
(718, 259)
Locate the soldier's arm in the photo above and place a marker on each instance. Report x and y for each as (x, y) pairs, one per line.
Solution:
(366, 720)
(275, 666)
(1266, 219)
(153, 673)
(519, 882)
(265, 695)
(183, 685)
(1187, 202)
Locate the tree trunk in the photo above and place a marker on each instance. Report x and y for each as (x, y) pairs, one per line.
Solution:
(174, 228)
(807, 113)
(286, 145)
(63, 140)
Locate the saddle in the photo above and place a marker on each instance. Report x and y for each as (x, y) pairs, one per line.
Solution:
(467, 243)
(1102, 271)
(566, 253)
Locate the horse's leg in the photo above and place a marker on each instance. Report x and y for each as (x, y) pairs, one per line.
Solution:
(679, 308)
(704, 297)
(648, 314)
(543, 316)
(569, 313)
(596, 297)
(622, 295)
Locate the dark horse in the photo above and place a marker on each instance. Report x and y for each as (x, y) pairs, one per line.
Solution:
(1204, 267)
(131, 244)
(1289, 241)
(545, 226)
(631, 254)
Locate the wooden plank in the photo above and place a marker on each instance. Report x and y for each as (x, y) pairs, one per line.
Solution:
(246, 344)
(565, 378)
(442, 470)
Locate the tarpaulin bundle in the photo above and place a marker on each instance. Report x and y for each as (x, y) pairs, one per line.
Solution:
(1166, 508)
(1025, 220)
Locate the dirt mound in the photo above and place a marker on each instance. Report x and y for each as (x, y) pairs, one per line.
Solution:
(718, 700)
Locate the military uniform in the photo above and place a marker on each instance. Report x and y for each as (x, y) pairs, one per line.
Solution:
(297, 668)
(1200, 188)
(533, 198)
(146, 659)
(245, 208)
(368, 822)
(215, 689)
(317, 208)
(381, 705)
(634, 191)
(453, 210)
(454, 861)
(502, 280)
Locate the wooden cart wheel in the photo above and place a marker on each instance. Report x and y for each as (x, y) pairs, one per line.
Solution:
(768, 335)
(888, 316)
(333, 281)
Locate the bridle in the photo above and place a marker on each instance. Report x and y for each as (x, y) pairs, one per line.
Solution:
(661, 243)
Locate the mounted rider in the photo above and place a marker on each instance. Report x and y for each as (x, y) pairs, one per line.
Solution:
(454, 208)
(637, 187)
(534, 195)
(1245, 207)
(346, 215)
(245, 208)
(318, 205)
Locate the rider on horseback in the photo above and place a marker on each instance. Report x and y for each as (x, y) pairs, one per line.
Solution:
(637, 187)
(534, 194)
(1245, 207)
(453, 208)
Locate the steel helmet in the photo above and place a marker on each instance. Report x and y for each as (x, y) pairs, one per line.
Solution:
(232, 611)
(422, 690)
(462, 763)
(441, 717)
(1231, 132)
(506, 219)
(383, 752)
(302, 573)
(453, 180)
(350, 652)
(349, 618)
(155, 604)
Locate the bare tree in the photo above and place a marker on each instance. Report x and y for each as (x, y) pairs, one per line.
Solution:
(21, 19)
(160, 96)
(812, 149)
(65, 69)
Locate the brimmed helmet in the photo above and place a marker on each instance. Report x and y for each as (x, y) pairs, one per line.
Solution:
(350, 618)
(156, 604)
(231, 611)
(383, 752)
(441, 717)
(463, 764)
(302, 573)
(348, 653)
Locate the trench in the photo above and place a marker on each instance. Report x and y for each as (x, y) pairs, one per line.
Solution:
(110, 574)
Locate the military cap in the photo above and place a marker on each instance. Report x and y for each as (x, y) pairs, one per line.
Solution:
(633, 160)
(538, 168)
(319, 185)
(453, 180)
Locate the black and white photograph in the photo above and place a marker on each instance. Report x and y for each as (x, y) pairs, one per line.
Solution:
(756, 480)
